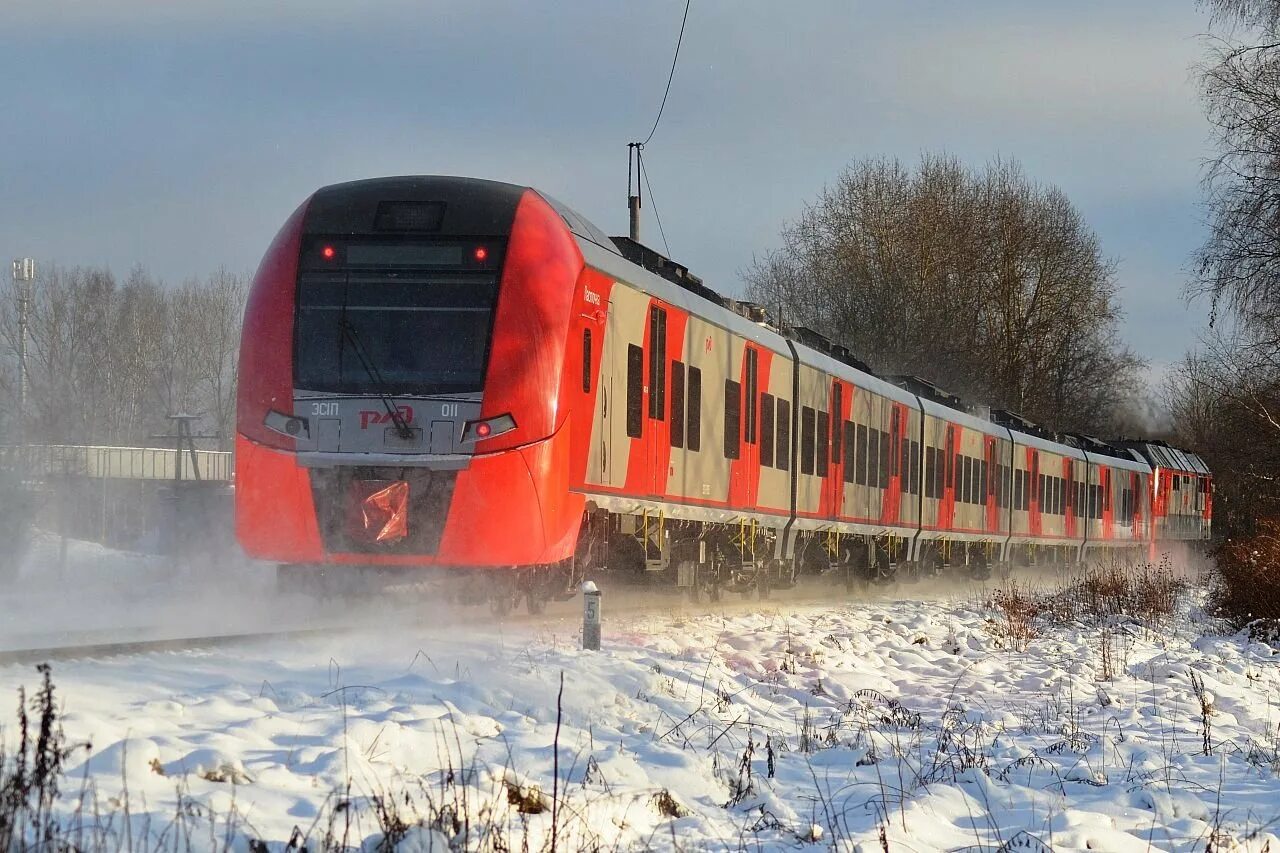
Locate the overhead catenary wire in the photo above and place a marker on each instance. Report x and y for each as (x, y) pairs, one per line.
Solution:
(671, 76)
(636, 148)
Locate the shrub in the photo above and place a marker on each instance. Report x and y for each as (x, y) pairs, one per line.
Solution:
(1247, 583)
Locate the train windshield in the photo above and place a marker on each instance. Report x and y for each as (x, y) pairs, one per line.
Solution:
(393, 317)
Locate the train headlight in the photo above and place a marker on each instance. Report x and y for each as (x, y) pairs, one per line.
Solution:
(473, 431)
(289, 425)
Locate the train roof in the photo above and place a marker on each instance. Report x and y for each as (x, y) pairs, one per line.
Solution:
(1161, 454)
(676, 285)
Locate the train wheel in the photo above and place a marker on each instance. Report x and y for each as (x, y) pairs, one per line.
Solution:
(626, 557)
(505, 593)
(930, 561)
(979, 566)
(693, 591)
(764, 579)
(501, 604)
(708, 582)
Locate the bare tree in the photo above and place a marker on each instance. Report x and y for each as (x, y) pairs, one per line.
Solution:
(981, 281)
(107, 363)
(1239, 264)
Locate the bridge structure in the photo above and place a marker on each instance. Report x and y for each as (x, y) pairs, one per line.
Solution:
(153, 499)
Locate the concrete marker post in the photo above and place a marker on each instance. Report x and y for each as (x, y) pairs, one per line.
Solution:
(590, 616)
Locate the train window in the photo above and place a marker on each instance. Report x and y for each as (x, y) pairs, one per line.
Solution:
(837, 414)
(884, 460)
(753, 367)
(1000, 490)
(894, 436)
(931, 473)
(904, 456)
(824, 444)
(783, 456)
(971, 480)
(657, 363)
(939, 473)
(586, 361)
(635, 390)
(864, 446)
(677, 403)
(693, 429)
(873, 457)
(984, 481)
(860, 468)
(913, 476)
(766, 430)
(947, 463)
(849, 444)
(807, 417)
(1017, 490)
(732, 419)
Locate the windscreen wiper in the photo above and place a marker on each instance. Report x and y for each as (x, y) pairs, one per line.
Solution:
(379, 384)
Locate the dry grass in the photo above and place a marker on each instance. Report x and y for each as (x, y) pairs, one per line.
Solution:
(1018, 607)
(1149, 593)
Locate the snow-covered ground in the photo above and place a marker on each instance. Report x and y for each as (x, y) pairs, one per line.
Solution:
(741, 726)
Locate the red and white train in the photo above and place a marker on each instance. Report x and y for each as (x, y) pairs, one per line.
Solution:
(441, 371)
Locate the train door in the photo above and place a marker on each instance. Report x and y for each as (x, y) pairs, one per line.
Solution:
(612, 397)
(834, 484)
(658, 441)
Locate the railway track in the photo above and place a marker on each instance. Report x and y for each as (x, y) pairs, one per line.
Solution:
(622, 602)
(89, 648)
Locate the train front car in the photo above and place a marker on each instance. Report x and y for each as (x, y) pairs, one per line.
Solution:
(401, 378)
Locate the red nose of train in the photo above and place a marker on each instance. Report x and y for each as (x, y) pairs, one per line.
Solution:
(379, 422)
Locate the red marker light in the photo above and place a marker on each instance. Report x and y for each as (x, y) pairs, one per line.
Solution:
(481, 254)
(328, 252)
(483, 430)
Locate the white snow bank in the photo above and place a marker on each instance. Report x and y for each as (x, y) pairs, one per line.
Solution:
(819, 726)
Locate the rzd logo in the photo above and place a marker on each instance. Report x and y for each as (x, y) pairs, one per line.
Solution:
(384, 417)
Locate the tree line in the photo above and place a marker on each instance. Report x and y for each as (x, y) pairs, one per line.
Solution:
(1225, 395)
(982, 281)
(109, 360)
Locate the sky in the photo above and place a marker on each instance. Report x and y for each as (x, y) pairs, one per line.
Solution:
(179, 136)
